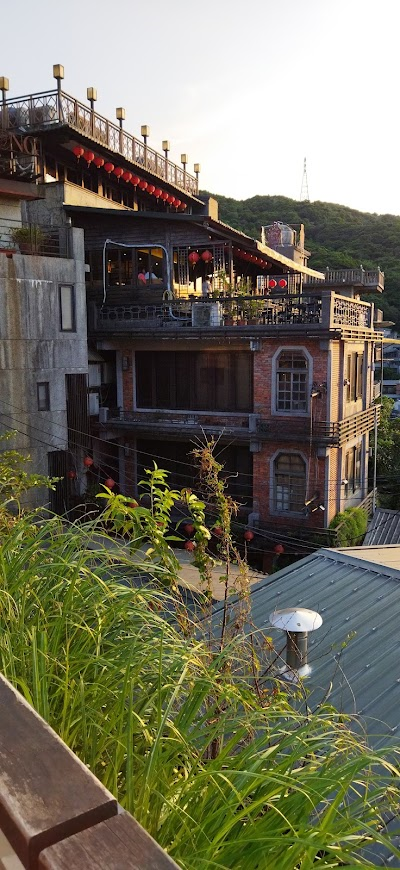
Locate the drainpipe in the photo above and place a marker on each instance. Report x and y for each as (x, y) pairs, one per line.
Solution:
(298, 623)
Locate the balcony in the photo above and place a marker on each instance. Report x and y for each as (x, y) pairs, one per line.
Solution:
(318, 432)
(51, 109)
(34, 239)
(324, 311)
(173, 423)
(367, 280)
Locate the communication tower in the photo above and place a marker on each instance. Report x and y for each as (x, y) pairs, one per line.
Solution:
(304, 194)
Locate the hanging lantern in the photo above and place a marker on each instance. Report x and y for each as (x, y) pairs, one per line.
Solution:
(218, 531)
(279, 549)
(118, 172)
(99, 162)
(178, 202)
(272, 284)
(71, 474)
(248, 535)
(88, 156)
(157, 192)
(110, 483)
(206, 256)
(88, 461)
(189, 528)
(164, 195)
(126, 175)
(183, 205)
(282, 283)
(150, 189)
(170, 198)
(189, 545)
(78, 151)
(109, 167)
(194, 257)
(142, 184)
(135, 180)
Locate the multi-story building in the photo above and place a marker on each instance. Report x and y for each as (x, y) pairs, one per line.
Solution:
(197, 330)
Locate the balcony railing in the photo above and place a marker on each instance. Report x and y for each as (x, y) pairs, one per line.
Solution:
(37, 239)
(49, 109)
(327, 310)
(334, 434)
(227, 423)
(371, 279)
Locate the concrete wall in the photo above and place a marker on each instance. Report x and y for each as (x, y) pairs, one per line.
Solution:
(33, 348)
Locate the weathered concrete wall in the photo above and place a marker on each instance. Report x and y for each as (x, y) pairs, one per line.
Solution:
(33, 348)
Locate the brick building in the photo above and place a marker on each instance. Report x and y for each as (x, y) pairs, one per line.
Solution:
(194, 328)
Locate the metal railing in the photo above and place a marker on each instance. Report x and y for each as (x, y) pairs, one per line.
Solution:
(350, 277)
(51, 108)
(328, 310)
(334, 433)
(38, 239)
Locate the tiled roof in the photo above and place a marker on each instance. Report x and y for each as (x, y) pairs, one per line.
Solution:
(384, 528)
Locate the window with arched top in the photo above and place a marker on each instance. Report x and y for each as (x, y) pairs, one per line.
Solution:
(289, 483)
(292, 378)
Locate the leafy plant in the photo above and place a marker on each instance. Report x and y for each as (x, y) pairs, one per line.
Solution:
(29, 239)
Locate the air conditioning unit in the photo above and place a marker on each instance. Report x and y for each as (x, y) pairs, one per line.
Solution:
(206, 314)
(103, 415)
(93, 404)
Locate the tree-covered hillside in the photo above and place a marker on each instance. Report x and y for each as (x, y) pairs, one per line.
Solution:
(338, 237)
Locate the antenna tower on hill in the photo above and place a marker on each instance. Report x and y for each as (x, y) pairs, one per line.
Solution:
(304, 194)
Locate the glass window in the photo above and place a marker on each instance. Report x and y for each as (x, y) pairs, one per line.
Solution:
(43, 396)
(67, 308)
(289, 483)
(292, 382)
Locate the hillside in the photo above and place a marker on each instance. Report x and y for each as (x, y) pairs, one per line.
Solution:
(337, 236)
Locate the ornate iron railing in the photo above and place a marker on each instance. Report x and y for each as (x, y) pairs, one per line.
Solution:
(38, 239)
(51, 108)
(348, 312)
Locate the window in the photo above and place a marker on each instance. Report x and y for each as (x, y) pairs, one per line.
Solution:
(354, 376)
(289, 483)
(67, 308)
(43, 396)
(352, 472)
(292, 382)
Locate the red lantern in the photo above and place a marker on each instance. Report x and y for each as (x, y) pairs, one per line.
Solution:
(88, 461)
(157, 192)
(109, 482)
(150, 189)
(217, 531)
(178, 203)
(71, 474)
(135, 180)
(164, 195)
(99, 162)
(206, 256)
(189, 545)
(282, 283)
(78, 151)
(194, 257)
(189, 528)
(279, 549)
(183, 205)
(248, 535)
(142, 184)
(118, 172)
(88, 156)
(132, 504)
(272, 283)
(170, 198)
(126, 175)
(109, 167)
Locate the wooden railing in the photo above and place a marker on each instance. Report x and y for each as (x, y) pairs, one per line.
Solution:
(50, 108)
(334, 434)
(53, 812)
(367, 278)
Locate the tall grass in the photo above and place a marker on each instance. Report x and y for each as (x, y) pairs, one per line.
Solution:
(145, 707)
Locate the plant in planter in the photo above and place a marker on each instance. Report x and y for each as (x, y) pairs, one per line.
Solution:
(29, 239)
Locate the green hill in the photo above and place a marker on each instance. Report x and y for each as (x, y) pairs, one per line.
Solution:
(338, 237)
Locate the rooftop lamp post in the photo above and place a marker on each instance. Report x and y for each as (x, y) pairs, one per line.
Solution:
(120, 115)
(145, 132)
(58, 74)
(165, 148)
(197, 168)
(4, 87)
(91, 94)
(184, 161)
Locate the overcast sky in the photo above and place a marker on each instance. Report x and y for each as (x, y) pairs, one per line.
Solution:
(247, 88)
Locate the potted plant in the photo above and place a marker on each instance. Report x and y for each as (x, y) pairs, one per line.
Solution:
(29, 239)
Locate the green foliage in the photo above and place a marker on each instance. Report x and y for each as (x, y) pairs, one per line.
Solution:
(338, 237)
(388, 456)
(351, 526)
(15, 481)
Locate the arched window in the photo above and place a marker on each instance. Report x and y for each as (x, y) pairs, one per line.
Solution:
(292, 381)
(289, 483)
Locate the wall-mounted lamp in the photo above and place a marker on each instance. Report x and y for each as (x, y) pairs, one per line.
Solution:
(126, 363)
(255, 344)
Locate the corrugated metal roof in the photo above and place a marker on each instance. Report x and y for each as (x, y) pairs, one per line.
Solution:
(383, 528)
(355, 655)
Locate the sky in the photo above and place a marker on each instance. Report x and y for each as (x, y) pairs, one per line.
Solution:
(246, 88)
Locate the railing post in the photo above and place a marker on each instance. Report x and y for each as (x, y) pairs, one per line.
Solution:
(327, 308)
